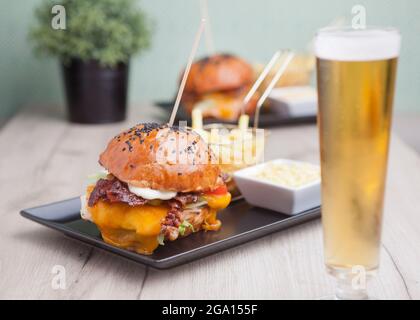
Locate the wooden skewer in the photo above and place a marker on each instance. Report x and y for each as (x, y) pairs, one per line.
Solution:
(187, 71)
(260, 79)
(270, 87)
(243, 121)
(204, 8)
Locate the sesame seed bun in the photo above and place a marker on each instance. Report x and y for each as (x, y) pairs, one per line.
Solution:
(162, 158)
(221, 72)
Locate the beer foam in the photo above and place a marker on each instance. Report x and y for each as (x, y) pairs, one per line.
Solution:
(347, 44)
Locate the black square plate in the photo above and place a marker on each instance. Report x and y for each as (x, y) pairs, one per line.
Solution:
(240, 223)
(268, 118)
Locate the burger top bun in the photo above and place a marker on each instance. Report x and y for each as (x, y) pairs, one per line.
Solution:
(221, 72)
(160, 157)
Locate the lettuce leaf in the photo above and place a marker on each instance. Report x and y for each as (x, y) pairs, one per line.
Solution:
(183, 227)
(93, 178)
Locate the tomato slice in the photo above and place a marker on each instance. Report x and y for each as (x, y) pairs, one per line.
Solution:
(218, 191)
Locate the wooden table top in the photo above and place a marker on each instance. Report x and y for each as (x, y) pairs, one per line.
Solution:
(46, 159)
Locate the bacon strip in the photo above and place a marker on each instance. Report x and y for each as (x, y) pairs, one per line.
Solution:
(114, 191)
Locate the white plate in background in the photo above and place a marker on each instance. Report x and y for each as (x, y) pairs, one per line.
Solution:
(294, 101)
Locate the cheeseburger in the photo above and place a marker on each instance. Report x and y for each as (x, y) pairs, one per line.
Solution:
(161, 183)
(217, 85)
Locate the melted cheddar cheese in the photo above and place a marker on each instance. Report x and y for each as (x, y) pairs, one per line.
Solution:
(211, 223)
(215, 203)
(219, 105)
(133, 228)
(218, 202)
(137, 228)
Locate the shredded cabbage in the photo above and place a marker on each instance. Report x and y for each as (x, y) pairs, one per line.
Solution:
(196, 205)
(160, 239)
(200, 203)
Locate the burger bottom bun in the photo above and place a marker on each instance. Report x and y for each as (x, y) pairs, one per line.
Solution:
(223, 105)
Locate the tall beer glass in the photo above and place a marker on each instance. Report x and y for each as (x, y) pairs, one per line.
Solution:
(356, 72)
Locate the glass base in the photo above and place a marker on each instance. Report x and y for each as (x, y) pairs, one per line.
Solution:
(351, 283)
(336, 298)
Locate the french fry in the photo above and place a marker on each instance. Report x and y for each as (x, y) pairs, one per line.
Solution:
(243, 122)
(197, 119)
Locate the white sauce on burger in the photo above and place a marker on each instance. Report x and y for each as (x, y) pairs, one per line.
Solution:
(84, 212)
(150, 194)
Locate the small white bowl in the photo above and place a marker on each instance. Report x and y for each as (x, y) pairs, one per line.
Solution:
(276, 197)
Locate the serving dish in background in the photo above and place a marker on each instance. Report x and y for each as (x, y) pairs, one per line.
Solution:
(269, 118)
(298, 73)
(301, 101)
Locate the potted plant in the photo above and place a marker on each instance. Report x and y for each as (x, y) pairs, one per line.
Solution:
(94, 49)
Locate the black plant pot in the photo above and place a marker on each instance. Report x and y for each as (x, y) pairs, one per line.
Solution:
(95, 94)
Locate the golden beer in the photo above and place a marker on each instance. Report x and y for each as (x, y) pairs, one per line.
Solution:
(355, 106)
(356, 73)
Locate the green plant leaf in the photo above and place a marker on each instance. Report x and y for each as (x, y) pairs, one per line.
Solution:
(107, 31)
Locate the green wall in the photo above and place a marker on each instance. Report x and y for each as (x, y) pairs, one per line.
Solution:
(251, 28)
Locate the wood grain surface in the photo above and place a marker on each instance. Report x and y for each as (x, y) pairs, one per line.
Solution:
(45, 159)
